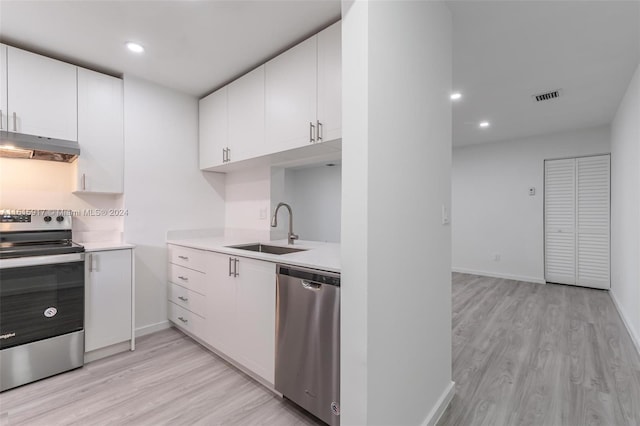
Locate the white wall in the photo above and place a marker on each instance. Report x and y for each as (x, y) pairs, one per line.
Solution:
(248, 195)
(315, 197)
(165, 190)
(493, 213)
(625, 208)
(314, 194)
(38, 184)
(396, 254)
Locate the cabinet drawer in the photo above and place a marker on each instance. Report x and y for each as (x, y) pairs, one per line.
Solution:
(187, 299)
(189, 258)
(185, 277)
(187, 320)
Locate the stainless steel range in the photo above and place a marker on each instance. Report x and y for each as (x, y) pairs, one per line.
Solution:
(41, 296)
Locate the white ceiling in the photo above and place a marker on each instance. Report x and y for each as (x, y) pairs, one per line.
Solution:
(192, 46)
(504, 51)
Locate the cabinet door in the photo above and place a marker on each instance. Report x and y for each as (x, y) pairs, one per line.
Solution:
(3, 87)
(290, 96)
(246, 116)
(42, 92)
(107, 298)
(330, 83)
(213, 137)
(255, 316)
(221, 307)
(100, 167)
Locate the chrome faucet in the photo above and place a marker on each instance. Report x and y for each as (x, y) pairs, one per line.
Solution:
(274, 221)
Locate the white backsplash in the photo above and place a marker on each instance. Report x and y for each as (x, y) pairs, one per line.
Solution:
(37, 184)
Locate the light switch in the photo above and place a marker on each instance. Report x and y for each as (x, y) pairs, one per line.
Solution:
(263, 214)
(445, 215)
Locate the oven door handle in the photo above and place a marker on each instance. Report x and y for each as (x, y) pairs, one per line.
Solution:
(19, 262)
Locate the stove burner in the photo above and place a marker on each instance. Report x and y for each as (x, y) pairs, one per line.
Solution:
(46, 234)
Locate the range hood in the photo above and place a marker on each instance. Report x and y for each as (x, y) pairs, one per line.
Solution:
(19, 145)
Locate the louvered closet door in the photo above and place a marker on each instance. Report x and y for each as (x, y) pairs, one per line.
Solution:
(592, 208)
(577, 221)
(560, 219)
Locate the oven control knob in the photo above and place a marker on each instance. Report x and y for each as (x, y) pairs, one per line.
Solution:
(47, 219)
(59, 218)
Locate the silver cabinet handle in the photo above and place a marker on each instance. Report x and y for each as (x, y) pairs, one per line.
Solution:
(15, 122)
(90, 260)
(183, 320)
(230, 272)
(311, 132)
(228, 154)
(319, 124)
(224, 155)
(236, 262)
(183, 278)
(184, 299)
(1, 128)
(84, 182)
(183, 257)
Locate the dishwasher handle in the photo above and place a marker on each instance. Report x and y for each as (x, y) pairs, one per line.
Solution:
(309, 285)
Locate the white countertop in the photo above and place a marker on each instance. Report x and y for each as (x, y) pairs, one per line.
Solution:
(319, 255)
(106, 245)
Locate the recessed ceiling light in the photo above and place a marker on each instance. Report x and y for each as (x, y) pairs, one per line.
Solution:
(455, 96)
(135, 47)
(484, 124)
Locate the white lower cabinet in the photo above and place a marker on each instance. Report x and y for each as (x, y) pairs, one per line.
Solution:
(108, 298)
(189, 321)
(255, 318)
(229, 304)
(243, 307)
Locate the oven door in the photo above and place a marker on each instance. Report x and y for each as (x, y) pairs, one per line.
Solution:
(40, 297)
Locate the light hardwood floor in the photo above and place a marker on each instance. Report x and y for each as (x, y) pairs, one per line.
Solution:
(533, 354)
(523, 354)
(168, 380)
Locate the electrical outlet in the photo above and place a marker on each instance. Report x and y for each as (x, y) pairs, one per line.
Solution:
(263, 213)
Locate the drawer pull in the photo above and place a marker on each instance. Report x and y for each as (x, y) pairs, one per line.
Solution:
(183, 278)
(183, 320)
(183, 257)
(184, 299)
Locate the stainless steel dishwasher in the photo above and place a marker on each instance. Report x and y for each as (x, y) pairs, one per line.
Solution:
(308, 340)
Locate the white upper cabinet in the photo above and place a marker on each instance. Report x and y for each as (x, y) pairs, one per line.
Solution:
(330, 84)
(3, 87)
(293, 101)
(100, 166)
(41, 96)
(290, 94)
(246, 116)
(213, 136)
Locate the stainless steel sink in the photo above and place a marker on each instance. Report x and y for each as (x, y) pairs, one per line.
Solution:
(264, 248)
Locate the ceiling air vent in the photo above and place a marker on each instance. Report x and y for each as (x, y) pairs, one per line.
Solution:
(547, 96)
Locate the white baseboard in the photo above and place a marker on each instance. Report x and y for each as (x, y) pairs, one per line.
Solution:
(499, 275)
(108, 351)
(443, 402)
(627, 323)
(152, 328)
